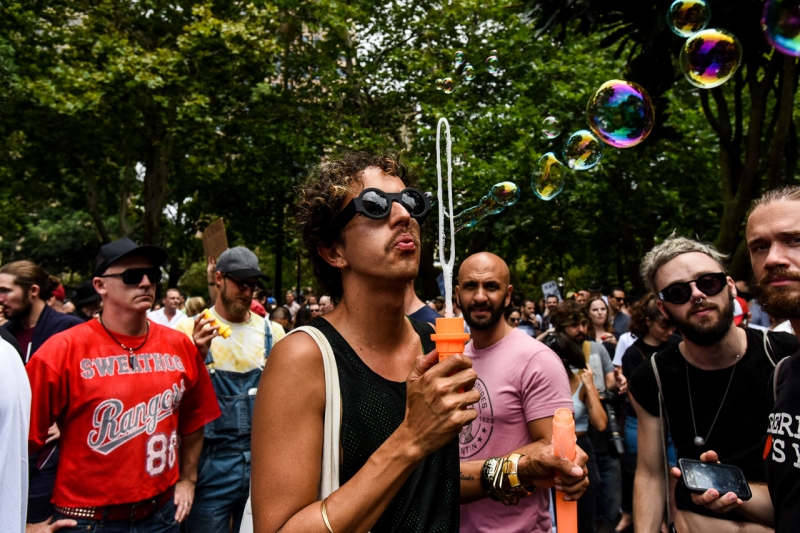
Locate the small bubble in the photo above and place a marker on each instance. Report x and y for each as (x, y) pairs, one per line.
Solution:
(506, 193)
(439, 84)
(583, 150)
(459, 58)
(687, 17)
(549, 177)
(493, 65)
(448, 85)
(469, 72)
(709, 58)
(551, 128)
(494, 52)
(459, 200)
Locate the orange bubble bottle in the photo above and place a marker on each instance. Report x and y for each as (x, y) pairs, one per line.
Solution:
(449, 337)
(564, 447)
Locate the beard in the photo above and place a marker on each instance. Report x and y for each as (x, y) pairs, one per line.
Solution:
(235, 305)
(482, 324)
(779, 302)
(22, 312)
(707, 331)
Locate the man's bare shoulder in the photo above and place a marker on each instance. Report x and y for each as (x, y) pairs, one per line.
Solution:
(297, 353)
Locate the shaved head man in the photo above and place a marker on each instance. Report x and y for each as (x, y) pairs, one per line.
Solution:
(522, 383)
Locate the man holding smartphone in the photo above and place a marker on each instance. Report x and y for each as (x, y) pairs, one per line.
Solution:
(711, 386)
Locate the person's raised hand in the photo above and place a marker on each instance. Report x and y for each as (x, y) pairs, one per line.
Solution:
(211, 268)
(587, 377)
(712, 499)
(203, 334)
(435, 409)
(541, 468)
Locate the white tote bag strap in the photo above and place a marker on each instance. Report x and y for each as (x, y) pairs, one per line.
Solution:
(329, 475)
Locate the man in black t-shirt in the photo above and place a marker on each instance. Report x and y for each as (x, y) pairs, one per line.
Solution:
(773, 235)
(711, 385)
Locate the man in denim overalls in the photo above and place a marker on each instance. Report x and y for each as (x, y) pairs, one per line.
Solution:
(234, 364)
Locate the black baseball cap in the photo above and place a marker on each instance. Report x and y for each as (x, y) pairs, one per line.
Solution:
(114, 251)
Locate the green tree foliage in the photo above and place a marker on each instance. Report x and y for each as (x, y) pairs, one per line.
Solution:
(150, 119)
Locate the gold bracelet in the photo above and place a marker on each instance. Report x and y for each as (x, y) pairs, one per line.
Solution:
(511, 470)
(325, 516)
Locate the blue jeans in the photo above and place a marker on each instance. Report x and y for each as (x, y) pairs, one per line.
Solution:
(223, 485)
(162, 521)
(609, 494)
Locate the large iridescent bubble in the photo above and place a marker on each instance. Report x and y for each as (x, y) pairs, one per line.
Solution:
(781, 25)
(710, 57)
(687, 17)
(583, 150)
(621, 113)
(549, 176)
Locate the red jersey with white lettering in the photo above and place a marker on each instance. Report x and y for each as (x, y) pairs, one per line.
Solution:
(120, 417)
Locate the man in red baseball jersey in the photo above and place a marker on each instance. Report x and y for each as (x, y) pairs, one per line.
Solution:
(131, 398)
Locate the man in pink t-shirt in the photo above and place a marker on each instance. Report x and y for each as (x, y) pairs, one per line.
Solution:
(521, 382)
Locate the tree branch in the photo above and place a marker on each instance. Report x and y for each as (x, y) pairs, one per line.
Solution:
(783, 109)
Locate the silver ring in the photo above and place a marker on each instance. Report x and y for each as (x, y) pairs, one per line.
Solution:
(698, 301)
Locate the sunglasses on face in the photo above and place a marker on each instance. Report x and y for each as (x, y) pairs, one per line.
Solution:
(133, 276)
(681, 292)
(243, 285)
(376, 204)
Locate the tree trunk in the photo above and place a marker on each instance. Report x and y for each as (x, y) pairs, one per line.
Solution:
(155, 186)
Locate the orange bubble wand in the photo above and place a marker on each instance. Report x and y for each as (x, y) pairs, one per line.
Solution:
(564, 447)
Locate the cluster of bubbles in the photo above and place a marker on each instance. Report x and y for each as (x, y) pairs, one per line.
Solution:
(620, 113)
(709, 57)
(500, 196)
(467, 70)
(781, 25)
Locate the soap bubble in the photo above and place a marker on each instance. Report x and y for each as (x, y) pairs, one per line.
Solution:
(506, 193)
(500, 196)
(687, 17)
(583, 150)
(448, 85)
(469, 72)
(551, 127)
(439, 84)
(492, 64)
(548, 177)
(781, 25)
(621, 113)
(459, 58)
(494, 52)
(710, 57)
(459, 200)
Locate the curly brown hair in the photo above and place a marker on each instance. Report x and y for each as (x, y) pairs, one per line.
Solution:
(321, 198)
(641, 311)
(568, 313)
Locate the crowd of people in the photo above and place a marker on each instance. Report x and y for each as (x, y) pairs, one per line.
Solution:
(234, 413)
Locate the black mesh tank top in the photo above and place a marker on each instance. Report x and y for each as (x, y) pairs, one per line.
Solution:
(372, 409)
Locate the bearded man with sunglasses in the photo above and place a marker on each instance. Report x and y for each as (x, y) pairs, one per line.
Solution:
(131, 398)
(712, 386)
(235, 364)
(401, 409)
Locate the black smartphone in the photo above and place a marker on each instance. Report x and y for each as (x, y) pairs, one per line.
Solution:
(699, 477)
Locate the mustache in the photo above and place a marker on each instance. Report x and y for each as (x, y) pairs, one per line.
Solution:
(396, 235)
(782, 273)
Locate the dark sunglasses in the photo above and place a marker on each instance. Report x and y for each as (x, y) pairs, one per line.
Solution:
(376, 204)
(681, 292)
(133, 276)
(243, 285)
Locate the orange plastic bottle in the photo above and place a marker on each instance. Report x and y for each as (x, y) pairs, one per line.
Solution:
(224, 330)
(564, 447)
(449, 337)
